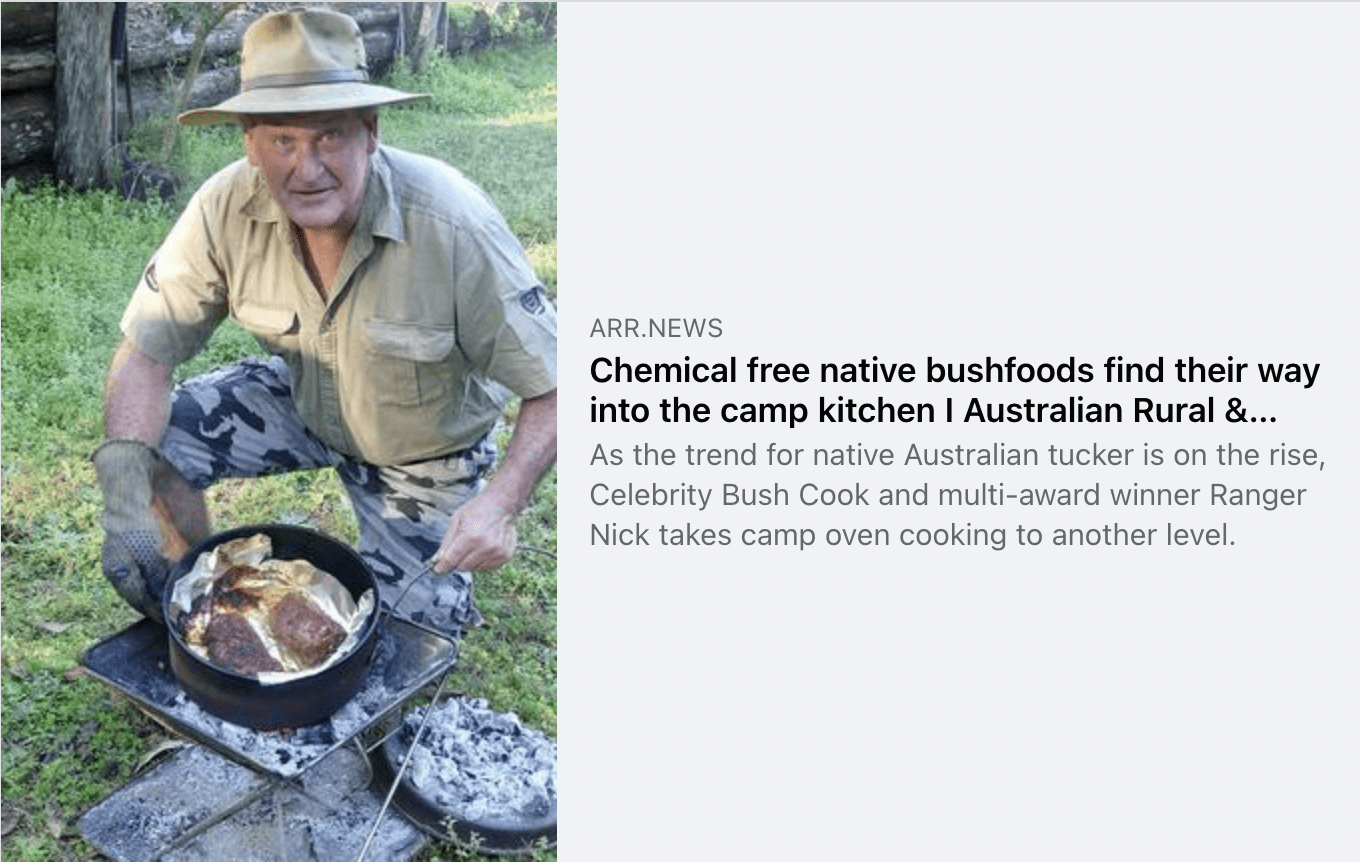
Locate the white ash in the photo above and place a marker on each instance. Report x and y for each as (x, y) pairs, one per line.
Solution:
(289, 752)
(480, 765)
(273, 751)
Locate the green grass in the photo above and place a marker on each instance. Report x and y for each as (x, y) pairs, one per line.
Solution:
(69, 264)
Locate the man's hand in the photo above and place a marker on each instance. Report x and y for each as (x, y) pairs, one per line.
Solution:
(481, 534)
(133, 560)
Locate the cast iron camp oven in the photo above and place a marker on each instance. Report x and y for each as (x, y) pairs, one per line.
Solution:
(241, 698)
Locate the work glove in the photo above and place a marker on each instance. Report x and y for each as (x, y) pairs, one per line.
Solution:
(134, 560)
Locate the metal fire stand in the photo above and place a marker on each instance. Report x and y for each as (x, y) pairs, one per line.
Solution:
(241, 794)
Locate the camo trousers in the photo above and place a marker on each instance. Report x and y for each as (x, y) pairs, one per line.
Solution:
(239, 421)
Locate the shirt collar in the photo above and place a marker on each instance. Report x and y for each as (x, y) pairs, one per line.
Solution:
(381, 212)
(261, 205)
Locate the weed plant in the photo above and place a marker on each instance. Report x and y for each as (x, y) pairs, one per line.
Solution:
(69, 264)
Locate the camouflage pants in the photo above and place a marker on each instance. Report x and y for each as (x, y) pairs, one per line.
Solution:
(239, 421)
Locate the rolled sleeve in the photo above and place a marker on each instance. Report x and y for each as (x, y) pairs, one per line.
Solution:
(181, 297)
(507, 327)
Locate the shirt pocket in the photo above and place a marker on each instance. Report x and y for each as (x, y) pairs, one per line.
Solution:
(411, 361)
(276, 329)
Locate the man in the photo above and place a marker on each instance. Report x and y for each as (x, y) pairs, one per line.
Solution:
(395, 303)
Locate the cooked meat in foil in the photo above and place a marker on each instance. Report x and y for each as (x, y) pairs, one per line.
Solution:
(303, 631)
(234, 645)
(262, 614)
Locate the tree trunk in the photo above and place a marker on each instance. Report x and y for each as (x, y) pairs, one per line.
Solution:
(426, 26)
(84, 93)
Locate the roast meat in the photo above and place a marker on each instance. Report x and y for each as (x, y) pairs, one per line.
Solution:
(261, 614)
(232, 644)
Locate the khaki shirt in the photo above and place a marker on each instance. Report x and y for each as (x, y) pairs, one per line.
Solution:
(434, 300)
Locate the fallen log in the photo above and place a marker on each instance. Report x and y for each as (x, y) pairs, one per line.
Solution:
(26, 68)
(24, 23)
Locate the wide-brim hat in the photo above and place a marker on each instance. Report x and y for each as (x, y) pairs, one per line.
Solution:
(301, 61)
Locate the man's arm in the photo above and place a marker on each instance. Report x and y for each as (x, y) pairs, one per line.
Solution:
(136, 411)
(136, 397)
(481, 534)
(137, 407)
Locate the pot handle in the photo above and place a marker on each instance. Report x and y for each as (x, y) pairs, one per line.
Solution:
(426, 571)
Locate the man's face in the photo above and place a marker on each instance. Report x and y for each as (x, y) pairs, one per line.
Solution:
(315, 164)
